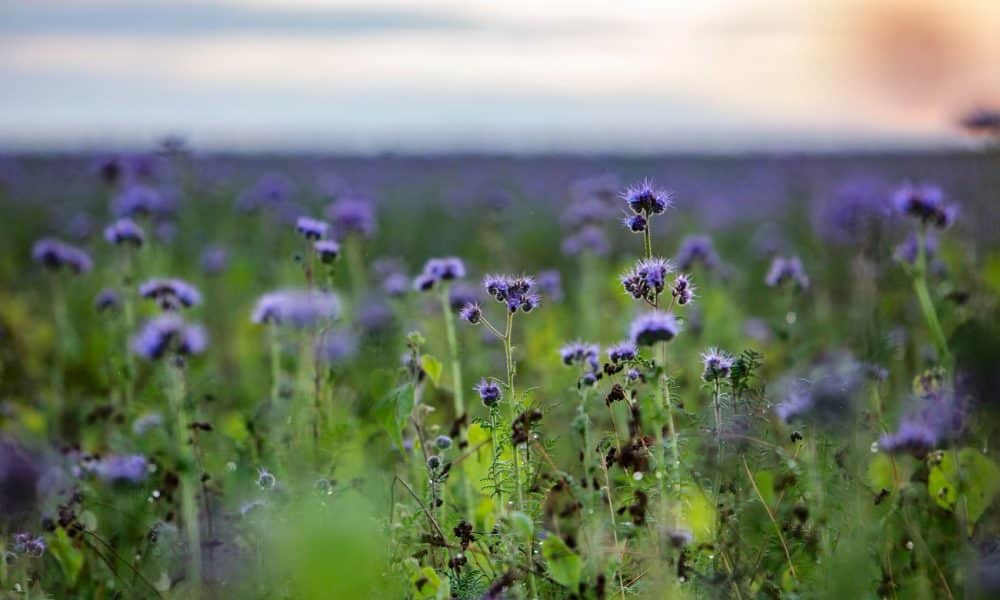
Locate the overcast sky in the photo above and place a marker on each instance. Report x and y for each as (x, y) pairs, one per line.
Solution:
(503, 75)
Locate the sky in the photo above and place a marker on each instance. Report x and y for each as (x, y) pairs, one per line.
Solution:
(508, 76)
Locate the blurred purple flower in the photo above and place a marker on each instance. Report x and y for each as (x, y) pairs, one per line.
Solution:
(53, 254)
(695, 250)
(296, 308)
(171, 293)
(352, 215)
(169, 332)
(124, 231)
(653, 327)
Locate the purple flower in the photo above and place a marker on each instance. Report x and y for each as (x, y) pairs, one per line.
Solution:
(489, 392)
(141, 200)
(107, 299)
(852, 213)
(645, 199)
(826, 397)
(697, 249)
(589, 239)
(513, 291)
(335, 346)
(296, 308)
(121, 468)
(925, 202)
(461, 295)
(907, 251)
(787, 270)
(647, 279)
(635, 223)
(471, 312)
(311, 229)
(214, 259)
(940, 417)
(682, 289)
(124, 231)
(396, 284)
(270, 190)
(550, 284)
(585, 212)
(717, 364)
(622, 352)
(171, 293)
(653, 327)
(352, 216)
(25, 543)
(579, 352)
(439, 269)
(168, 332)
(19, 478)
(327, 250)
(53, 254)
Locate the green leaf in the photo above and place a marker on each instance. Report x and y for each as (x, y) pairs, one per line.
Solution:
(68, 556)
(393, 411)
(964, 482)
(427, 585)
(432, 367)
(522, 525)
(765, 482)
(564, 564)
(880, 473)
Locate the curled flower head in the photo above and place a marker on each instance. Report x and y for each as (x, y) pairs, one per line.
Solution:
(124, 231)
(717, 365)
(682, 289)
(925, 202)
(352, 215)
(489, 392)
(296, 308)
(107, 300)
(171, 293)
(635, 223)
(653, 327)
(787, 270)
(311, 229)
(327, 250)
(697, 250)
(647, 279)
(53, 254)
(169, 332)
(471, 312)
(579, 352)
(516, 292)
(645, 199)
(622, 352)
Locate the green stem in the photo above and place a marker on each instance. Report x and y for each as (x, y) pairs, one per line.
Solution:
(177, 392)
(665, 397)
(458, 393)
(924, 296)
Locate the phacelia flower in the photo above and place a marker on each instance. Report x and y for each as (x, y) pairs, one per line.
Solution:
(647, 279)
(925, 202)
(29, 545)
(171, 294)
(121, 468)
(653, 327)
(635, 223)
(296, 308)
(717, 365)
(352, 216)
(940, 417)
(516, 292)
(53, 254)
(682, 289)
(396, 284)
(169, 332)
(852, 213)
(439, 269)
(827, 396)
(311, 229)
(124, 231)
(489, 392)
(697, 250)
(443, 442)
(622, 352)
(550, 284)
(471, 312)
(327, 250)
(645, 199)
(269, 191)
(336, 346)
(141, 200)
(107, 300)
(590, 239)
(214, 259)
(579, 352)
(908, 250)
(787, 270)
(460, 295)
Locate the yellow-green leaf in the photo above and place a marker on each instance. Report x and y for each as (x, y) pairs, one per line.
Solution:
(966, 482)
(564, 564)
(432, 367)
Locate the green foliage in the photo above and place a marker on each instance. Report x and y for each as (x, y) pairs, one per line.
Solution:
(564, 565)
(965, 482)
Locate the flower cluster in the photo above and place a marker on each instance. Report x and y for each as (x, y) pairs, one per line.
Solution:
(583, 219)
(925, 202)
(515, 292)
(352, 215)
(653, 327)
(120, 468)
(169, 332)
(787, 270)
(439, 269)
(682, 290)
(53, 254)
(695, 250)
(717, 365)
(296, 308)
(647, 279)
(939, 418)
(28, 545)
(124, 231)
(311, 229)
(645, 199)
(623, 352)
(171, 293)
(489, 392)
